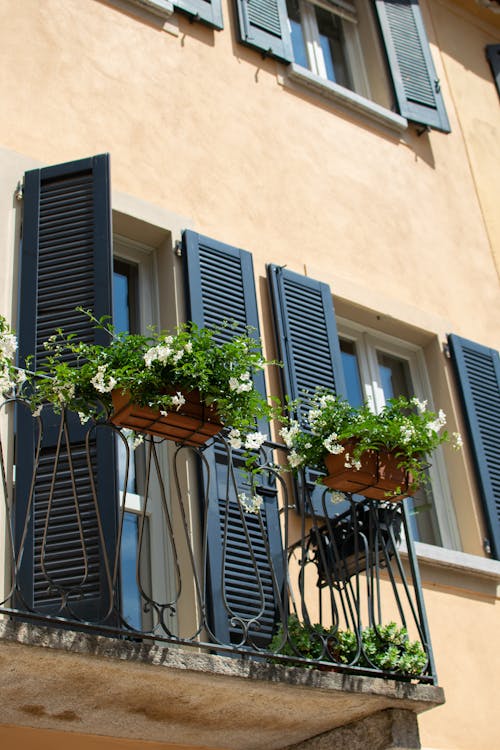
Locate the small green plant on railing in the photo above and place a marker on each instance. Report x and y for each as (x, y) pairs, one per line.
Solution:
(405, 427)
(386, 647)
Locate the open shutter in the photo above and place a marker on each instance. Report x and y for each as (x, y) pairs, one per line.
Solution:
(221, 287)
(207, 11)
(415, 81)
(478, 373)
(308, 345)
(66, 261)
(263, 24)
(493, 55)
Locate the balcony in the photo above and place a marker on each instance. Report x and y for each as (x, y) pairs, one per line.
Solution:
(141, 599)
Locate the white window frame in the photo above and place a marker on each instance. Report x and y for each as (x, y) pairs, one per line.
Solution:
(144, 258)
(368, 342)
(354, 54)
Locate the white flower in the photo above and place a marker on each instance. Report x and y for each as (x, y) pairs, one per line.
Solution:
(245, 376)
(8, 344)
(331, 444)
(178, 355)
(421, 405)
(457, 441)
(163, 353)
(233, 383)
(21, 376)
(438, 423)
(133, 439)
(254, 440)
(295, 459)
(83, 417)
(178, 400)
(328, 398)
(37, 411)
(337, 497)
(250, 504)
(234, 438)
(150, 356)
(188, 347)
(99, 381)
(290, 433)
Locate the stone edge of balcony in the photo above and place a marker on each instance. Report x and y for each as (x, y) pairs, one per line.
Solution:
(417, 697)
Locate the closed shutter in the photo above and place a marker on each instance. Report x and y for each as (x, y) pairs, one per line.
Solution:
(478, 374)
(244, 551)
(493, 55)
(66, 262)
(415, 81)
(308, 343)
(263, 24)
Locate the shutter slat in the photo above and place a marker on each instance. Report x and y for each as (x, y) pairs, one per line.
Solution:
(263, 24)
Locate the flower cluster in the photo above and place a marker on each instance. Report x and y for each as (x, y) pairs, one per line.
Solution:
(404, 426)
(10, 375)
(158, 370)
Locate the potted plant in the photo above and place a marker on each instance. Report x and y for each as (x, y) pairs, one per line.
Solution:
(184, 385)
(381, 456)
(384, 647)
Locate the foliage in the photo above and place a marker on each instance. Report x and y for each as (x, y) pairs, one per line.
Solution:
(156, 369)
(385, 647)
(404, 426)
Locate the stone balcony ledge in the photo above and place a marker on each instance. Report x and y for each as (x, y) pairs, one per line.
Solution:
(54, 678)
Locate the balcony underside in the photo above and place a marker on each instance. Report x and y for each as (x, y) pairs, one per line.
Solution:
(63, 680)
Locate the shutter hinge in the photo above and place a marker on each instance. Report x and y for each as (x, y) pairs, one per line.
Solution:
(19, 191)
(487, 546)
(423, 129)
(178, 248)
(446, 351)
(437, 86)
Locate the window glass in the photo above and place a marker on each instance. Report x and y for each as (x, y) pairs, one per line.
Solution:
(351, 373)
(298, 42)
(331, 38)
(394, 376)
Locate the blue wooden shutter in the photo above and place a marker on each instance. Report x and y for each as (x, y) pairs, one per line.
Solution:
(207, 11)
(66, 261)
(478, 374)
(493, 55)
(416, 85)
(263, 24)
(308, 343)
(221, 286)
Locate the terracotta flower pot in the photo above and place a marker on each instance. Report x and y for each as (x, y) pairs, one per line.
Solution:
(378, 477)
(193, 424)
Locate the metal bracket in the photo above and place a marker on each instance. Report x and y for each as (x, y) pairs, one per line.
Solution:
(446, 350)
(178, 248)
(19, 191)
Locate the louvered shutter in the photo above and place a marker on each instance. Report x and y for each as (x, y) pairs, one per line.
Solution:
(478, 374)
(207, 11)
(263, 24)
(493, 55)
(307, 337)
(66, 261)
(413, 74)
(242, 557)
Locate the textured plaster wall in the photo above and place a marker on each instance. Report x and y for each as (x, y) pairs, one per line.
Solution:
(199, 124)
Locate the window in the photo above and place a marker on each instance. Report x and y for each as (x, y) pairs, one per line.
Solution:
(379, 367)
(325, 40)
(342, 50)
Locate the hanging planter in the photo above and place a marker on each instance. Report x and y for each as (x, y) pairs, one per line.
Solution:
(376, 474)
(194, 423)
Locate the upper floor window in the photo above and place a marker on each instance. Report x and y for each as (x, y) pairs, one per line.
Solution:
(325, 40)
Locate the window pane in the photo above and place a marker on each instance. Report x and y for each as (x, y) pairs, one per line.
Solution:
(394, 376)
(121, 311)
(351, 373)
(132, 605)
(331, 37)
(298, 43)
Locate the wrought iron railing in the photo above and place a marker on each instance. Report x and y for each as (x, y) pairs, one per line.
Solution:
(181, 554)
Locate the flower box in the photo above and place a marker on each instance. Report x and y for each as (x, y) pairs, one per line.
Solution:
(378, 477)
(193, 424)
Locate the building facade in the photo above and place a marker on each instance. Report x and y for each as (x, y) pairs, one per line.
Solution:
(326, 172)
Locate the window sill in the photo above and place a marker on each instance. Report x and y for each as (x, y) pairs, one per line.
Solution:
(162, 8)
(460, 563)
(348, 99)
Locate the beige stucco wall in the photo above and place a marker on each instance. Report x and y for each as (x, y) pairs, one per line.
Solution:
(403, 227)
